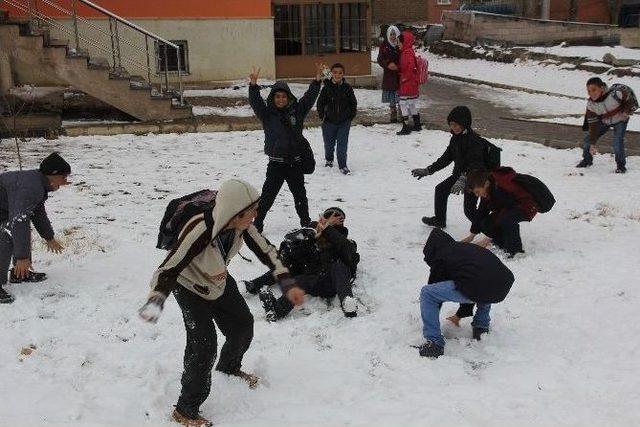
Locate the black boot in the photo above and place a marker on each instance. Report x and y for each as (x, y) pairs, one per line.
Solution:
(621, 168)
(417, 126)
(431, 349)
(5, 297)
(477, 332)
(269, 304)
(406, 129)
(32, 276)
(252, 287)
(584, 164)
(432, 221)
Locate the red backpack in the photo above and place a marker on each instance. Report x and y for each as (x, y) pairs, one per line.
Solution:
(423, 69)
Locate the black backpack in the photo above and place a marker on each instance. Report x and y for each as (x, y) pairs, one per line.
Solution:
(632, 100)
(299, 251)
(180, 211)
(541, 194)
(491, 154)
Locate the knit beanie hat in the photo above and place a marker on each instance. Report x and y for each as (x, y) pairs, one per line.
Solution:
(460, 115)
(54, 164)
(333, 210)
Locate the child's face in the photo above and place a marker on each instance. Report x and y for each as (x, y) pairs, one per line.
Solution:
(337, 74)
(393, 37)
(594, 91)
(455, 128)
(281, 99)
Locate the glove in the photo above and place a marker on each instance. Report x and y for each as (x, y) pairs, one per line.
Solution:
(420, 173)
(459, 186)
(150, 312)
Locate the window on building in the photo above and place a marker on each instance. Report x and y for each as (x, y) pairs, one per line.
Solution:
(171, 63)
(319, 28)
(287, 30)
(353, 27)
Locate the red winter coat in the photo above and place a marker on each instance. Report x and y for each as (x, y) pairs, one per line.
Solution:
(503, 178)
(409, 86)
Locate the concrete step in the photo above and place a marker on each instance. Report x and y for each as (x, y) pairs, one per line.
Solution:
(57, 43)
(98, 63)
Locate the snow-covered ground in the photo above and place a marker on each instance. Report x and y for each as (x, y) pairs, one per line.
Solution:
(563, 348)
(592, 52)
(634, 123)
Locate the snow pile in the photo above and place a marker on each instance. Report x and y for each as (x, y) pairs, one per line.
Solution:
(561, 351)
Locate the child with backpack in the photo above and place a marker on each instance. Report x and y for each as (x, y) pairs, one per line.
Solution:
(607, 108)
(323, 261)
(409, 87)
(464, 273)
(195, 271)
(468, 151)
(337, 106)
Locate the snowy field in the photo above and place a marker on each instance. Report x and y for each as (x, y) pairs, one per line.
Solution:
(563, 348)
(592, 52)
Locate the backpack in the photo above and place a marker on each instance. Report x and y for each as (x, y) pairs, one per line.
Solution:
(491, 155)
(541, 194)
(299, 251)
(422, 65)
(632, 100)
(180, 211)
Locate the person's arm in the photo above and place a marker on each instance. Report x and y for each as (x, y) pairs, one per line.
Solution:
(442, 162)
(340, 243)
(480, 215)
(307, 100)
(41, 222)
(322, 103)
(593, 121)
(465, 310)
(255, 99)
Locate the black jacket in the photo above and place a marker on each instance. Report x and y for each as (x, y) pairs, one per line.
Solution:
(477, 273)
(337, 102)
(283, 127)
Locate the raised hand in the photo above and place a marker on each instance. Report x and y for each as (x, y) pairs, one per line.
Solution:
(253, 76)
(320, 70)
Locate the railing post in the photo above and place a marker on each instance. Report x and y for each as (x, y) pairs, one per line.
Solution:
(75, 24)
(179, 74)
(117, 44)
(146, 42)
(166, 69)
(113, 45)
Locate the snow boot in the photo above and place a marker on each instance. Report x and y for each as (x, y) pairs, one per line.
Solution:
(477, 332)
(328, 164)
(417, 126)
(190, 422)
(621, 169)
(431, 350)
(269, 304)
(406, 130)
(250, 379)
(251, 286)
(432, 221)
(584, 164)
(349, 307)
(5, 297)
(32, 276)
(345, 171)
(394, 114)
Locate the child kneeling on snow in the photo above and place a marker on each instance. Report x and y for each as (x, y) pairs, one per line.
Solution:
(464, 273)
(323, 261)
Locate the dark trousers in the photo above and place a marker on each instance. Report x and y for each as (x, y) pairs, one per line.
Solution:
(443, 190)
(231, 314)
(277, 174)
(336, 134)
(619, 129)
(504, 229)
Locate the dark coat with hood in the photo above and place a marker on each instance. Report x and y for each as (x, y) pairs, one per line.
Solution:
(283, 126)
(477, 273)
(465, 150)
(337, 102)
(387, 54)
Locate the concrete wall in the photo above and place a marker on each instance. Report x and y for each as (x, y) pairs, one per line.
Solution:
(393, 11)
(218, 49)
(434, 10)
(630, 37)
(470, 27)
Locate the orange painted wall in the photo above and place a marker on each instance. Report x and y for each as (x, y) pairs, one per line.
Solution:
(167, 9)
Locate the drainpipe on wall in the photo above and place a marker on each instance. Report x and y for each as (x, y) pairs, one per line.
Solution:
(545, 12)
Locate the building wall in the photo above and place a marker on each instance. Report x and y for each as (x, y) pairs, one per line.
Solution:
(434, 10)
(595, 11)
(394, 11)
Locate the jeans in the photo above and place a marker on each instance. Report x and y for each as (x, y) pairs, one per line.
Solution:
(443, 190)
(336, 134)
(619, 130)
(431, 298)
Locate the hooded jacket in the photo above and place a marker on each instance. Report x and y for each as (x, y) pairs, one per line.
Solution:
(409, 83)
(337, 102)
(610, 109)
(22, 197)
(283, 126)
(465, 150)
(476, 272)
(199, 261)
(389, 53)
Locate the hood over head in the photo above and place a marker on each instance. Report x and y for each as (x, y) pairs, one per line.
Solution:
(408, 39)
(280, 86)
(460, 115)
(438, 241)
(393, 29)
(234, 196)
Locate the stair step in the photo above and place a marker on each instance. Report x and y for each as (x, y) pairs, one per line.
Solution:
(119, 74)
(58, 43)
(99, 63)
(78, 54)
(139, 83)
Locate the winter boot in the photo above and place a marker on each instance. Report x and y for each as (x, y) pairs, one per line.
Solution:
(394, 114)
(417, 126)
(406, 130)
(621, 168)
(251, 286)
(431, 349)
(32, 276)
(349, 307)
(190, 422)
(269, 304)
(477, 332)
(432, 221)
(5, 297)
(584, 164)
(250, 379)
(345, 171)
(328, 164)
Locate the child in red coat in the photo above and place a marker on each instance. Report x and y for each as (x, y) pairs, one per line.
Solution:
(409, 89)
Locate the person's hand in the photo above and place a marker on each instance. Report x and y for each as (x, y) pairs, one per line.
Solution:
(253, 76)
(54, 246)
(392, 66)
(296, 295)
(459, 186)
(151, 310)
(469, 238)
(320, 70)
(593, 149)
(22, 267)
(484, 242)
(420, 173)
(454, 319)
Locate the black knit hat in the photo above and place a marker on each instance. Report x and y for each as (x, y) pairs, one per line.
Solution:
(460, 115)
(333, 210)
(54, 164)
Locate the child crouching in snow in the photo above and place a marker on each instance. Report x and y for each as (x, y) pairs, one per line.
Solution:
(464, 273)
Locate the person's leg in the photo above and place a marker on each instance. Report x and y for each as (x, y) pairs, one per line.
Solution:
(441, 196)
(619, 131)
(329, 135)
(266, 280)
(342, 137)
(586, 144)
(508, 223)
(404, 111)
(234, 319)
(6, 252)
(200, 351)
(340, 276)
(470, 205)
(308, 282)
(482, 319)
(295, 181)
(431, 298)
(273, 182)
